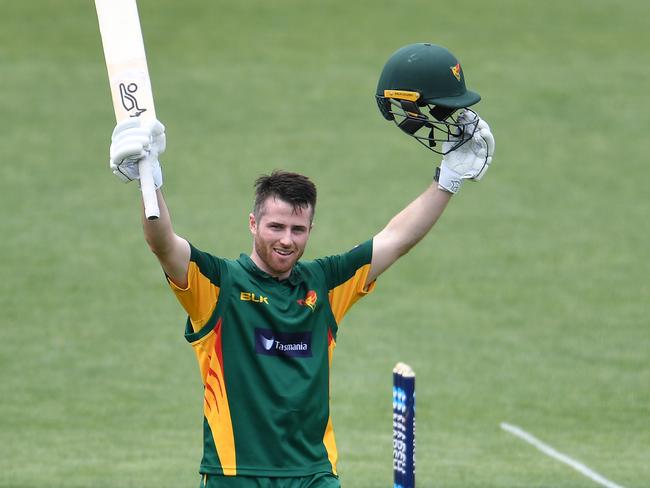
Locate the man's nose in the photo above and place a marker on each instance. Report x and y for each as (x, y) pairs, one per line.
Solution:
(285, 239)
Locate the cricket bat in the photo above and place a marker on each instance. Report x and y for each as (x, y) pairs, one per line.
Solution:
(128, 76)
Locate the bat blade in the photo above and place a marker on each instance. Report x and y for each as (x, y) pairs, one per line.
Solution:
(128, 76)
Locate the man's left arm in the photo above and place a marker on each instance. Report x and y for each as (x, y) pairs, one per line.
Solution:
(406, 229)
(469, 161)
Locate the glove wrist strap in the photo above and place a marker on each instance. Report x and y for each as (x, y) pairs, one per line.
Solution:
(448, 179)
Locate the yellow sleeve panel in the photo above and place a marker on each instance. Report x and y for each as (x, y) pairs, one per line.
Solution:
(348, 293)
(199, 297)
(216, 407)
(330, 445)
(328, 439)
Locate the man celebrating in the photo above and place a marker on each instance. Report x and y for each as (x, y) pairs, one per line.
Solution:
(264, 326)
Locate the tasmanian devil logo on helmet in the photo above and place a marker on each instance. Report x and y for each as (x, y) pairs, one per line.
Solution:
(456, 71)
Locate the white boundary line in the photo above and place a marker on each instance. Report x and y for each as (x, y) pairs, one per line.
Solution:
(549, 451)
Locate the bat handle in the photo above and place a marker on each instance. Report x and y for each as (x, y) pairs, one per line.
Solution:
(148, 188)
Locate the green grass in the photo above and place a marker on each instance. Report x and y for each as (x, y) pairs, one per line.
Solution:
(528, 303)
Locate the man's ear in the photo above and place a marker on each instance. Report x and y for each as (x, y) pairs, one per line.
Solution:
(252, 223)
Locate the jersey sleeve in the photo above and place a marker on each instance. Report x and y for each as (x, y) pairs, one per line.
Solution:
(204, 278)
(346, 276)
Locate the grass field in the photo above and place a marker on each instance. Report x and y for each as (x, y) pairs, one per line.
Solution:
(529, 302)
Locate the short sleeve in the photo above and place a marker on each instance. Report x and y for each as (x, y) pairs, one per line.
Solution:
(346, 276)
(204, 277)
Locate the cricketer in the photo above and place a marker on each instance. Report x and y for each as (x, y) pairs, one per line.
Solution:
(264, 326)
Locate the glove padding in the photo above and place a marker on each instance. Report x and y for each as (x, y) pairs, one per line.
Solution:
(132, 140)
(472, 159)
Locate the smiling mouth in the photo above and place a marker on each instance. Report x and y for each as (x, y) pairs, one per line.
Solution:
(283, 252)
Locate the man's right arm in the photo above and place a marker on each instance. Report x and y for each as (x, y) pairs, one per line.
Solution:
(172, 250)
(132, 140)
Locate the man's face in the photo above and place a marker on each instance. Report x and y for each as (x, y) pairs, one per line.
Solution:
(279, 237)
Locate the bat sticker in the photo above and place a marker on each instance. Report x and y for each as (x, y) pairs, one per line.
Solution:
(129, 102)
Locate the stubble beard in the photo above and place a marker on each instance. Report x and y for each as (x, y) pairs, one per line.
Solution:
(268, 257)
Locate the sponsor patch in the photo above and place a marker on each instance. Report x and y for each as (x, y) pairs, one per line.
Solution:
(287, 344)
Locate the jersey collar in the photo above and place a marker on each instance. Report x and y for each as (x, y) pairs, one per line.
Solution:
(295, 278)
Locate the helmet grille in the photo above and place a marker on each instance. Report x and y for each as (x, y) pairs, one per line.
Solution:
(431, 129)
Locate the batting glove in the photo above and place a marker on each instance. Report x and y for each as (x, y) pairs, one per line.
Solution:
(132, 140)
(469, 161)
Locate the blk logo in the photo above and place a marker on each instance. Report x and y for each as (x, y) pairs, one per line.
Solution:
(246, 296)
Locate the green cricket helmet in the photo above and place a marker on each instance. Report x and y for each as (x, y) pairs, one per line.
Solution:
(420, 88)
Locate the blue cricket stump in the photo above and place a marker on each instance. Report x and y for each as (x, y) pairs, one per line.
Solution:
(403, 426)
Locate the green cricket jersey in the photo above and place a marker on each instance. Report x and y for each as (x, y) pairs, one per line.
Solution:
(264, 348)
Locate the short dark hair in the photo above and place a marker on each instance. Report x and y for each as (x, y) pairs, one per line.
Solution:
(293, 188)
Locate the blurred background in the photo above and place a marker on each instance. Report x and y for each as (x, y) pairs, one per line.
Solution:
(528, 303)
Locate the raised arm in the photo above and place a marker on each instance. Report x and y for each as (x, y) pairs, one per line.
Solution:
(172, 250)
(406, 229)
(132, 140)
(468, 161)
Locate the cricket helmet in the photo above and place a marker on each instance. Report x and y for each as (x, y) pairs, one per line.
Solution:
(420, 88)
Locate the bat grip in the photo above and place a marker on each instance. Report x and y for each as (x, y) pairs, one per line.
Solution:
(148, 188)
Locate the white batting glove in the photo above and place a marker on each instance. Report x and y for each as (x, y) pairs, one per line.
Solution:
(469, 161)
(132, 140)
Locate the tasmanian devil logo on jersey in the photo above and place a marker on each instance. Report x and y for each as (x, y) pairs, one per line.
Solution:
(288, 344)
(309, 300)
